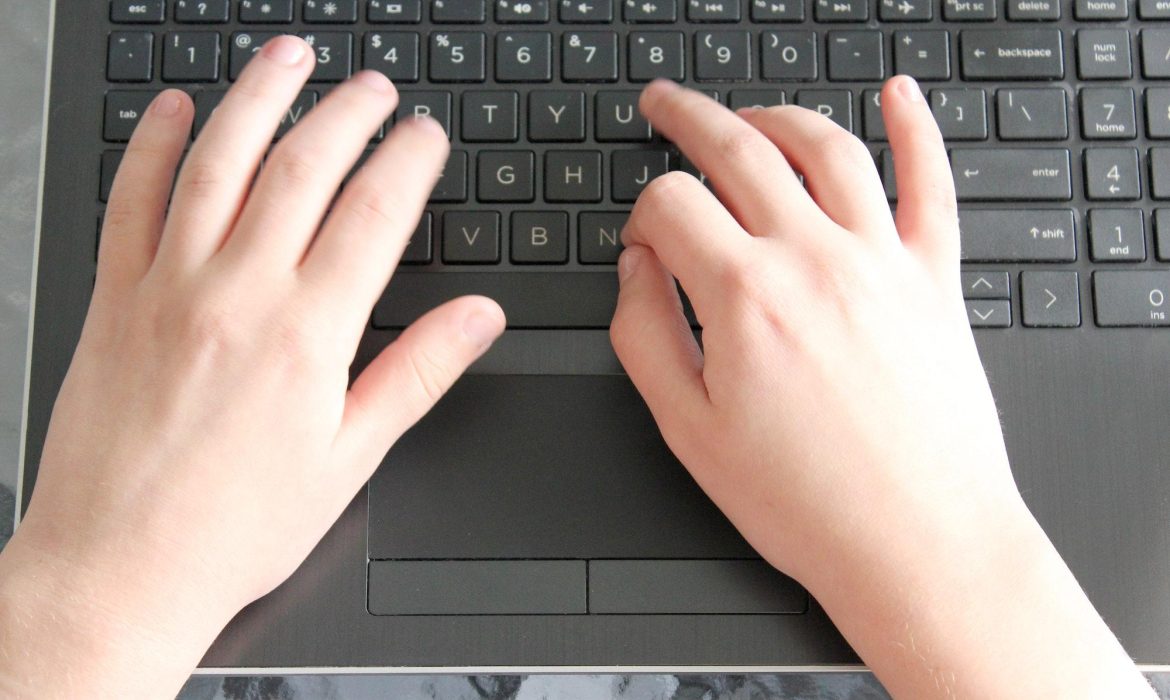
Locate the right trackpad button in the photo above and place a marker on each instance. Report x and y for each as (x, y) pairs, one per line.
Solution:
(692, 586)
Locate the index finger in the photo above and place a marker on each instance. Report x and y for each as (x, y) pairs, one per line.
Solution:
(752, 177)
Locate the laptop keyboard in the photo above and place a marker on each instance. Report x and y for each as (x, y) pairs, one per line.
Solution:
(1054, 113)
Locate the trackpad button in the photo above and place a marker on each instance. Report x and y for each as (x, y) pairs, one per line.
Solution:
(477, 587)
(727, 587)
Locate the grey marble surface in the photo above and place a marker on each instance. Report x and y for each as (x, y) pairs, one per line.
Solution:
(23, 40)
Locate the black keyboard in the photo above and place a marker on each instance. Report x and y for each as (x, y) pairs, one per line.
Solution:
(1057, 115)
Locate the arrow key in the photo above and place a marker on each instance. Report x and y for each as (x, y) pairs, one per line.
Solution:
(989, 314)
(1050, 299)
(1112, 173)
(985, 284)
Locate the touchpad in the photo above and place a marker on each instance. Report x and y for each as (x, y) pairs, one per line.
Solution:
(542, 467)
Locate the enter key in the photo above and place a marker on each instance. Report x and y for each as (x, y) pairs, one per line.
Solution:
(1016, 174)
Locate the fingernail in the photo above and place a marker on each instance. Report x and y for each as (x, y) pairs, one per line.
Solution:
(166, 104)
(287, 50)
(627, 263)
(482, 328)
(909, 89)
(374, 80)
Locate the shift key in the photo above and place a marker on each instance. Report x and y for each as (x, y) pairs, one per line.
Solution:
(1011, 175)
(1017, 235)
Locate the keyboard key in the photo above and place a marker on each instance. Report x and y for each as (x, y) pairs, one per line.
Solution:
(969, 10)
(111, 161)
(586, 11)
(458, 12)
(418, 248)
(1029, 10)
(556, 115)
(509, 12)
(1032, 114)
(191, 57)
(457, 57)
(992, 313)
(490, 116)
(1162, 233)
(244, 46)
(788, 55)
(723, 56)
(436, 105)
(305, 101)
(506, 176)
(1160, 173)
(394, 11)
(961, 114)
(1158, 113)
(654, 11)
(923, 54)
(1050, 299)
(393, 54)
(874, 124)
(1101, 9)
(524, 57)
(855, 55)
(471, 237)
(452, 184)
(841, 10)
(757, 99)
(572, 176)
(329, 11)
(617, 117)
(1103, 54)
(656, 55)
(130, 57)
(1132, 297)
(1111, 173)
(984, 284)
(266, 11)
(1153, 9)
(1108, 113)
(713, 10)
(1035, 174)
(138, 11)
(633, 170)
(777, 10)
(205, 103)
(599, 237)
(834, 104)
(1012, 54)
(123, 110)
(905, 10)
(334, 56)
(559, 299)
(1017, 235)
(202, 11)
(540, 237)
(1117, 235)
(589, 57)
(1156, 53)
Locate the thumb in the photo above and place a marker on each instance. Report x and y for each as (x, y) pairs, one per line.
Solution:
(411, 374)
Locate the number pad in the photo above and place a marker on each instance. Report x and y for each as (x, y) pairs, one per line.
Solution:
(1117, 235)
(524, 57)
(201, 11)
(1111, 173)
(508, 12)
(589, 57)
(334, 52)
(723, 56)
(190, 57)
(788, 55)
(394, 54)
(656, 55)
(1158, 113)
(457, 57)
(1108, 113)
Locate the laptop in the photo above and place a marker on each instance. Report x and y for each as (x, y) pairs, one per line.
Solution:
(535, 519)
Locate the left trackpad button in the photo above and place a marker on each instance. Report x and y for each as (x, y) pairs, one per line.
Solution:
(532, 587)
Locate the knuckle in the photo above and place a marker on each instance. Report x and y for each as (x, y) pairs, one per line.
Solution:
(293, 167)
(374, 207)
(430, 374)
(201, 180)
(665, 189)
(739, 143)
(838, 145)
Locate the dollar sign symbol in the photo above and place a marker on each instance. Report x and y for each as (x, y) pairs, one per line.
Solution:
(377, 41)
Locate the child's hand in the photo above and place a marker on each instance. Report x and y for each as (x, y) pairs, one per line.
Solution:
(838, 412)
(204, 439)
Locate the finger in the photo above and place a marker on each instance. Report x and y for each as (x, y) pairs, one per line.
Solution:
(361, 242)
(219, 169)
(410, 376)
(927, 214)
(838, 169)
(690, 232)
(300, 179)
(137, 209)
(752, 178)
(655, 343)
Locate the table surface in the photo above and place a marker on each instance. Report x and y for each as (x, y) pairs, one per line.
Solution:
(23, 44)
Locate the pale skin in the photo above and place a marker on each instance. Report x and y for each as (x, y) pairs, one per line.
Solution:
(837, 412)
